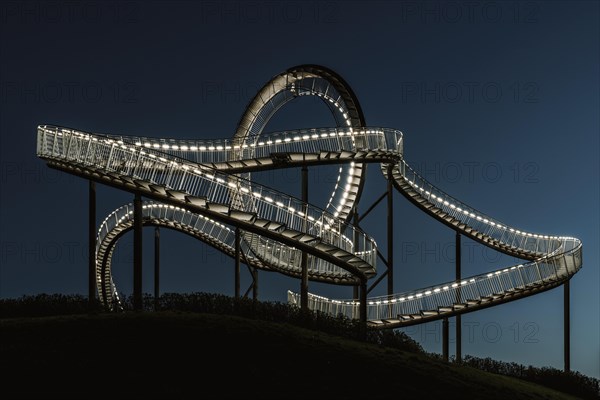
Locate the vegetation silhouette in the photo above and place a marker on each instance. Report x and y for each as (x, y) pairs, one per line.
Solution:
(41, 305)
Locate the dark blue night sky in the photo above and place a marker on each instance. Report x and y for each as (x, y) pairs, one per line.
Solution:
(498, 102)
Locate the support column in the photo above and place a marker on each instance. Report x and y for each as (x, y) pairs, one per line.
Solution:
(255, 285)
(237, 263)
(390, 233)
(156, 268)
(363, 309)
(92, 246)
(304, 261)
(356, 220)
(137, 252)
(567, 326)
(458, 300)
(445, 340)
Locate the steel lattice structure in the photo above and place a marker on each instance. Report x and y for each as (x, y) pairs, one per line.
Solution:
(203, 188)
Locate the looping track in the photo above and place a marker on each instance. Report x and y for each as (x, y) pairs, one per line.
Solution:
(203, 188)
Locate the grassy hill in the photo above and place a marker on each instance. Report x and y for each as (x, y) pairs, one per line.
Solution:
(176, 354)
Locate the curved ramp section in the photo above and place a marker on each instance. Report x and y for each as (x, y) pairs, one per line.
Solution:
(554, 260)
(280, 221)
(458, 297)
(120, 221)
(318, 146)
(467, 220)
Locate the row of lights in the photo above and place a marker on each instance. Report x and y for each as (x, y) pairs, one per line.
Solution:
(479, 218)
(343, 200)
(434, 197)
(349, 178)
(181, 147)
(347, 186)
(420, 294)
(437, 198)
(129, 214)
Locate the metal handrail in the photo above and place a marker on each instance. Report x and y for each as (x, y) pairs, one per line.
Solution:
(492, 285)
(536, 245)
(138, 158)
(155, 167)
(161, 162)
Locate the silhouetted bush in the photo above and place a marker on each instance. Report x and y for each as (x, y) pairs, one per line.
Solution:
(44, 305)
(58, 304)
(396, 339)
(573, 383)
